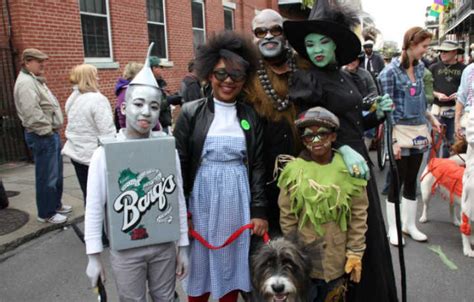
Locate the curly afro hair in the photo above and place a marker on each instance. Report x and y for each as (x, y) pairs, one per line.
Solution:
(235, 49)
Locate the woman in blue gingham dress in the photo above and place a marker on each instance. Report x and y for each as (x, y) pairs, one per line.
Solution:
(220, 144)
(220, 204)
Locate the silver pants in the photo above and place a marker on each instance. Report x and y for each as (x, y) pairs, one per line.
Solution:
(134, 267)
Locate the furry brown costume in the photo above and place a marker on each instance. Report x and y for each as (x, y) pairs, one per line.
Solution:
(281, 136)
(263, 104)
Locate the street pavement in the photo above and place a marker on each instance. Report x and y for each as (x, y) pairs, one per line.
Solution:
(20, 177)
(49, 264)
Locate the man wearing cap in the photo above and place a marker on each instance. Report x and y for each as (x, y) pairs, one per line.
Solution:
(156, 65)
(447, 78)
(41, 116)
(370, 60)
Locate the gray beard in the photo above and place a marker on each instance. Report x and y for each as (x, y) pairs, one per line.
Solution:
(271, 53)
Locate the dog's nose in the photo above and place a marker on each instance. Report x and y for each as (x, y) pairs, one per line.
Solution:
(278, 288)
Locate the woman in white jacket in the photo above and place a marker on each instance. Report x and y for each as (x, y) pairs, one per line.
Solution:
(89, 116)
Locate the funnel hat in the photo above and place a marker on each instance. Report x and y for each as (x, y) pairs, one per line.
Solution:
(331, 19)
(145, 76)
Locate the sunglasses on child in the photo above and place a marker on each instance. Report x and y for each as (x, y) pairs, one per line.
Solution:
(261, 32)
(320, 135)
(236, 75)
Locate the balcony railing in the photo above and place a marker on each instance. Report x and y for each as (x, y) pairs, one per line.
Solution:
(456, 15)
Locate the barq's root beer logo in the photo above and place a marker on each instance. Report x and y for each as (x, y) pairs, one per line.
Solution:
(140, 191)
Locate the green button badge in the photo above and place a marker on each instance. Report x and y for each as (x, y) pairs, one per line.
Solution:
(245, 125)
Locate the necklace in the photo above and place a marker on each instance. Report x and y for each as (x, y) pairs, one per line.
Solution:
(278, 103)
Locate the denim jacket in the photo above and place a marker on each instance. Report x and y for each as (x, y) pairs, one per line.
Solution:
(408, 97)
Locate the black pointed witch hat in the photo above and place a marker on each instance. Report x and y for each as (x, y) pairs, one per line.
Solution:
(331, 19)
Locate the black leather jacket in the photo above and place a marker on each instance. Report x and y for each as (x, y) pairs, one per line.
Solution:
(191, 131)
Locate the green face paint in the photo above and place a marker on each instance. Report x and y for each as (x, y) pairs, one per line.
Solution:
(321, 49)
(245, 124)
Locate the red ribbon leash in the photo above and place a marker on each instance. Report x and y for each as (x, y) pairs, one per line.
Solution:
(436, 143)
(232, 237)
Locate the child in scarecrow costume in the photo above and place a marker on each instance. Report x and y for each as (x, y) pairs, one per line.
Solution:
(327, 41)
(321, 201)
(154, 266)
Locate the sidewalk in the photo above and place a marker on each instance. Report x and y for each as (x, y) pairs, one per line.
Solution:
(20, 176)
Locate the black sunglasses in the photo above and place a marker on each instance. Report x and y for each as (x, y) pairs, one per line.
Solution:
(236, 75)
(310, 137)
(261, 32)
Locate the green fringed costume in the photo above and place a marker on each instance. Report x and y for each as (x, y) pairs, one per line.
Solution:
(325, 191)
(324, 201)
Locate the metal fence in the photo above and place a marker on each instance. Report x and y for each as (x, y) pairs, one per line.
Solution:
(12, 143)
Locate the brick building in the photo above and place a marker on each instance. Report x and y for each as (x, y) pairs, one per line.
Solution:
(109, 34)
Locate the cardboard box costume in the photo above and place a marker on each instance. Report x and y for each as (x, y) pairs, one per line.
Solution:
(142, 193)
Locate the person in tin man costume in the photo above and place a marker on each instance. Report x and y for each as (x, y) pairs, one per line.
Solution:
(320, 200)
(155, 265)
(327, 41)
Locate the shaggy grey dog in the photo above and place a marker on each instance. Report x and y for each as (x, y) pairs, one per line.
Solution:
(280, 271)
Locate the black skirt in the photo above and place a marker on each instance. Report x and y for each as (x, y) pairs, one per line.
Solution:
(378, 279)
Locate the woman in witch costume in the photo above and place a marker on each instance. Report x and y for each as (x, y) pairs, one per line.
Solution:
(327, 41)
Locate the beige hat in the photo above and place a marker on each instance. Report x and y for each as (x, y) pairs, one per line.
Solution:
(33, 53)
(449, 46)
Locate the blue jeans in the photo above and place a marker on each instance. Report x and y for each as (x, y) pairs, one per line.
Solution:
(448, 139)
(48, 172)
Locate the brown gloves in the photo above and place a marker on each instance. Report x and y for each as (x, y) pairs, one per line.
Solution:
(354, 267)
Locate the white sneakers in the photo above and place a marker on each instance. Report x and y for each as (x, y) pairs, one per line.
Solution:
(55, 219)
(65, 209)
(59, 217)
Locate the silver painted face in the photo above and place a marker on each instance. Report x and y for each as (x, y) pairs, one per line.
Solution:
(142, 109)
(269, 46)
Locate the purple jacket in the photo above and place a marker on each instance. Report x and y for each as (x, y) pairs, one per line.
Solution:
(120, 89)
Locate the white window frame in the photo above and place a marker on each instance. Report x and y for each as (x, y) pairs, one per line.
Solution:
(110, 59)
(203, 9)
(165, 29)
(232, 11)
(228, 4)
